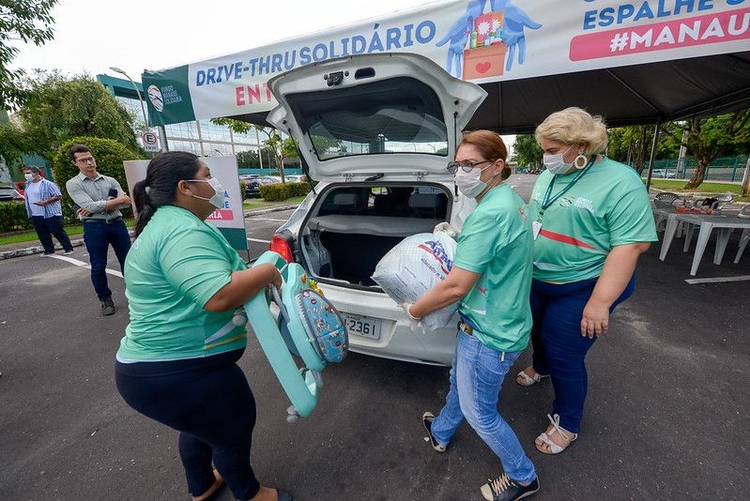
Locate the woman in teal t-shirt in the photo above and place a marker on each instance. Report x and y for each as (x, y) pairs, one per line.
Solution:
(491, 277)
(591, 219)
(177, 361)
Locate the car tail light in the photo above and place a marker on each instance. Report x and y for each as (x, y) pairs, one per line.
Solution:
(283, 247)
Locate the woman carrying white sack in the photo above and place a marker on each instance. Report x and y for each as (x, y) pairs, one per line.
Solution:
(491, 277)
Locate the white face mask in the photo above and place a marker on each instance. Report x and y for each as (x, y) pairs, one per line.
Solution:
(469, 183)
(29, 177)
(218, 199)
(555, 163)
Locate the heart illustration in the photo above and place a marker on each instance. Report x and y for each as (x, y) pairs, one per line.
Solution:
(483, 67)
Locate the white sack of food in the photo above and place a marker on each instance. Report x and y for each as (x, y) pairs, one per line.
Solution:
(413, 267)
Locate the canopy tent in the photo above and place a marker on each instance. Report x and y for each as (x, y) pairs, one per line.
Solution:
(634, 62)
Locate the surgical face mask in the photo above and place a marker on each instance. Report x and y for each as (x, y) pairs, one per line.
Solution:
(555, 163)
(469, 183)
(218, 199)
(29, 177)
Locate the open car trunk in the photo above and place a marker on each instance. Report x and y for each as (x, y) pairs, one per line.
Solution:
(352, 227)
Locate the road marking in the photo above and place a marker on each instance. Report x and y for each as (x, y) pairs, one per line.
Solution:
(82, 264)
(741, 278)
(258, 240)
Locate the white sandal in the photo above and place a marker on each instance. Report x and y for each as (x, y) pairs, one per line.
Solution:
(545, 437)
(529, 380)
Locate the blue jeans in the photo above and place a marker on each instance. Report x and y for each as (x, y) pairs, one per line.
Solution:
(209, 401)
(559, 349)
(98, 237)
(46, 227)
(476, 379)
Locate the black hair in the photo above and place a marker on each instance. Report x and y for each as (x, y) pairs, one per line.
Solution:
(77, 148)
(159, 188)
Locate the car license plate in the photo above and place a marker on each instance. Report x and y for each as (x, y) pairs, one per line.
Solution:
(362, 326)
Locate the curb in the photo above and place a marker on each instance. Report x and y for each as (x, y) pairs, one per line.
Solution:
(38, 249)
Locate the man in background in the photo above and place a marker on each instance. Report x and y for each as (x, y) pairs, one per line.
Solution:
(45, 210)
(99, 198)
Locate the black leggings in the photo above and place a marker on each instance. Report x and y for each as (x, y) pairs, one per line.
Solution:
(209, 401)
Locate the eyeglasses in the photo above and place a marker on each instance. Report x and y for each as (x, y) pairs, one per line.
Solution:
(465, 165)
(85, 160)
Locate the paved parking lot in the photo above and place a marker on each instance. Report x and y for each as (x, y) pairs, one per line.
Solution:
(666, 415)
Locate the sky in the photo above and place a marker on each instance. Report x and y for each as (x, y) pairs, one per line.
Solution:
(133, 35)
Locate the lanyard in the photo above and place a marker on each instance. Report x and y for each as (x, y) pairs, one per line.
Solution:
(546, 202)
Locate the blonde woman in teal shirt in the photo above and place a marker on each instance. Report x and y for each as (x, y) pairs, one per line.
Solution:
(592, 220)
(177, 361)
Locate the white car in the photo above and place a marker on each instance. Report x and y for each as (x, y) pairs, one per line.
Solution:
(377, 132)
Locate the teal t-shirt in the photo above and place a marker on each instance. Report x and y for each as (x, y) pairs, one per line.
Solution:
(496, 242)
(608, 206)
(173, 268)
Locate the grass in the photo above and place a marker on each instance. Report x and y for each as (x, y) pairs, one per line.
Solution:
(77, 230)
(677, 186)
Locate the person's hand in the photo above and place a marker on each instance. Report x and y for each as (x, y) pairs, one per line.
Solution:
(83, 212)
(276, 280)
(123, 199)
(414, 322)
(405, 307)
(447, 228)
(595, 321)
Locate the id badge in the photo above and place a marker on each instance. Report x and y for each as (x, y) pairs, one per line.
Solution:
(536, 227)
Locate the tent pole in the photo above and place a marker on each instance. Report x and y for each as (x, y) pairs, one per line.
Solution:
(653, 154)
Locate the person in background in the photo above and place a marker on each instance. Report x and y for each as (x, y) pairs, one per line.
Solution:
(177, 361)
(592, 220)
(45, 210)
(98, 198)
(491, 277)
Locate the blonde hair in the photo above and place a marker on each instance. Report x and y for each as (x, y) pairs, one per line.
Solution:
(574, 125)
(491, 145)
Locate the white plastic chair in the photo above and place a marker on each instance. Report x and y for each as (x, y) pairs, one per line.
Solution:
(665, 199)
(721, 201)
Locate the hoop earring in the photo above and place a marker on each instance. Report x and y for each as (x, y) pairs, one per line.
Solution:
(580, 161)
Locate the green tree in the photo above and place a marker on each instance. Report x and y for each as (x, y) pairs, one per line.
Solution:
(12, 144)
(708, 138)
(527, 152)
(248, 159)
(282, 148)
(109, 155)
(59, 107)
(25, 21)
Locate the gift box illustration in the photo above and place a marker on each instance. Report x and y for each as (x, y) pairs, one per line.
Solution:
(485, 56)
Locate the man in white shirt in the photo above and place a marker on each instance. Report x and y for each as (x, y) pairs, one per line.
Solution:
(45, 210)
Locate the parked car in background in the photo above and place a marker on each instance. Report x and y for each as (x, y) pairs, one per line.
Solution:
(269, 179)
(368, 128)
(295, 178)
(10, 194)
(664, 173)
(252, 186)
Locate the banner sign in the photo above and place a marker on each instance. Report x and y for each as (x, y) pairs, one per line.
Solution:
(477, 40)
(229, 219)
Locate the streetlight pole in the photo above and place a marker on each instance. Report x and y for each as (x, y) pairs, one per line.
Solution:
(138, 92)
(162, 130)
